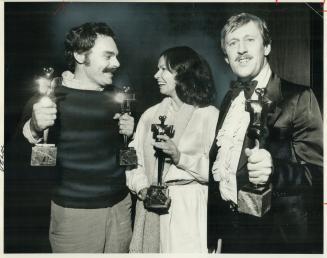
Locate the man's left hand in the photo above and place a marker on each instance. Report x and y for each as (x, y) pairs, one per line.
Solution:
(125, 123)
(259, 165)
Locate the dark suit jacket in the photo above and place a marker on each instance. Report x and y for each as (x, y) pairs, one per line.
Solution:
(296, 146)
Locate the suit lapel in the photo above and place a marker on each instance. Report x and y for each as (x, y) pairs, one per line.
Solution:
(224, 107)
(224, 110)
(274, 94)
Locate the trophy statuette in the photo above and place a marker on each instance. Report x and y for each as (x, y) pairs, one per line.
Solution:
(256, 199)
(127, 155)
(157, 198)
(45, 154)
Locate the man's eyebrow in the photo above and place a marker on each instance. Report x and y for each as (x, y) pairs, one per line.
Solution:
(110, 53)
(249, 35)
(232, 39)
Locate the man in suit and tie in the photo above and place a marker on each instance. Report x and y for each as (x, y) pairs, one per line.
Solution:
(291, 161)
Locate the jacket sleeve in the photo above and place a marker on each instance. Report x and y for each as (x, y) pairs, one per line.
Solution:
(304, 169)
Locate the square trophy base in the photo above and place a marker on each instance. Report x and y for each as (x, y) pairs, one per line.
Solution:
(127, 157)
(157, 199)
(253, 200)
(44, 155)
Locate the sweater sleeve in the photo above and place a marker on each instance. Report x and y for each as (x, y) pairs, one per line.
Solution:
(28, 134)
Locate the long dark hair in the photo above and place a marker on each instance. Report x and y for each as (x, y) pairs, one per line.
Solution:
(194, 82)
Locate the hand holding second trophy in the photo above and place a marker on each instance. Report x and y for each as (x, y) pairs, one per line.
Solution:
(127, 155)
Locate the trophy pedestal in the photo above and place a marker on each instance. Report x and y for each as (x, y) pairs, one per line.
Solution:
(44, 155)
(253, 200)
(127, 157)
(157, 199)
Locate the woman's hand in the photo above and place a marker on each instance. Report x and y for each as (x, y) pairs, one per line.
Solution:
(168, 147)
(142, 193)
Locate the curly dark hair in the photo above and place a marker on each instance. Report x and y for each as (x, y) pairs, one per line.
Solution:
(82, 38)
(194, 82)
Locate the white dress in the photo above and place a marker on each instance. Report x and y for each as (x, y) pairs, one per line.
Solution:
(184, 228)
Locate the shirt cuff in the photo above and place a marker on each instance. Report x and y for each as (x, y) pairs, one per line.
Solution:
(28, 134)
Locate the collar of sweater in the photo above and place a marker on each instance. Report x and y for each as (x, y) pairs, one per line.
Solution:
(69, 80)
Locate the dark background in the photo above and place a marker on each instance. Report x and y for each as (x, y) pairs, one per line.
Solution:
(34, 35)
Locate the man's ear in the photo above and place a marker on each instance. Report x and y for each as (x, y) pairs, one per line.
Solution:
(226, 59)
(79, 58)
(267, 49)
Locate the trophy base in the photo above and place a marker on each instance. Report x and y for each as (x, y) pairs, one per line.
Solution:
(157, 199)
(254, 201)
(44, 155)
(127, 157)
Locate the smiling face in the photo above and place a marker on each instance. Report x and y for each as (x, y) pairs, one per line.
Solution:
(165, 79)
(245, 51)
(99, 64)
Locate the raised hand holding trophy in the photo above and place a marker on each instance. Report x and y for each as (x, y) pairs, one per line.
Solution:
(127, 155)
(157, 198)
(256, 199)
(44, 154)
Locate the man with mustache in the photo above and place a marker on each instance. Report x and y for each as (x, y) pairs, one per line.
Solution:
(91, 205)
(291, 160)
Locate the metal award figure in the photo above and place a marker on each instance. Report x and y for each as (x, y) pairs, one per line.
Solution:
(157, 198)
(127, 155)
(256, 199)
(45, 154)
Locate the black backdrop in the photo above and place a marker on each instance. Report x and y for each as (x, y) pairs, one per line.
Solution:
(34, 34)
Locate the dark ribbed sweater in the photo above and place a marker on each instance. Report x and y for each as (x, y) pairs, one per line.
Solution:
(87, 139)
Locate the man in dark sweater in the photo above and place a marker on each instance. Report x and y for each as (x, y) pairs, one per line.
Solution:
(91, 205)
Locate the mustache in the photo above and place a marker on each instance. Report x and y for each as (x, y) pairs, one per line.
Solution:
(238, 58)
(109, 70)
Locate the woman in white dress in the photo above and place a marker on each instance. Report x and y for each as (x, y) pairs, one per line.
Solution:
(186, 81)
